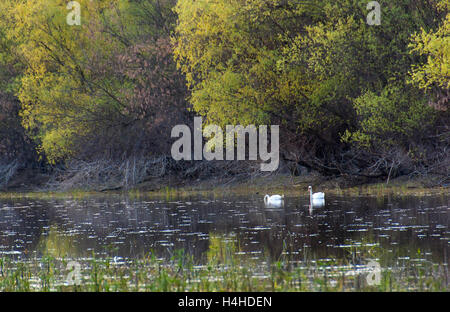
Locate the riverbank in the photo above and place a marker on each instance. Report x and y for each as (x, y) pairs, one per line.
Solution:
(270, 184)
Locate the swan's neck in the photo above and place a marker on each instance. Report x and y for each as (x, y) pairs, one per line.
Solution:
(310, 192)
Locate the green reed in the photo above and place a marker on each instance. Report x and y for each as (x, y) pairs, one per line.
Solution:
(225, 268)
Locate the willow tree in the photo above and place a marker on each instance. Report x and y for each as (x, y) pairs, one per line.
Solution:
(14, 143)
(96, 86)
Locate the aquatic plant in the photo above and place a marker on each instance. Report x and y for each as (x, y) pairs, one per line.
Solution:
(227, 269)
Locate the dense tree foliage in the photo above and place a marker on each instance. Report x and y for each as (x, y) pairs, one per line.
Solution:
(14, 143)
(105, 86)
(317, 68)
(434, 75)
(350, 98)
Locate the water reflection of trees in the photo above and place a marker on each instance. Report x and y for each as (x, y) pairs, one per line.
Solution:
(21, 227)
(118, 226)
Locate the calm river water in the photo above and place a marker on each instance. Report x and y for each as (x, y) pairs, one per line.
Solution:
(403, 227)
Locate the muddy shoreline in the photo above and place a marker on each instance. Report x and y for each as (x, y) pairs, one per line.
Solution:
(30, 182)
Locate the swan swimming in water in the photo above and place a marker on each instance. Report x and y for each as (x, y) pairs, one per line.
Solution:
(316, 199)
(274, 200)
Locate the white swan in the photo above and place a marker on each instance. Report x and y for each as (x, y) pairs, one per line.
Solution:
(274, 201)
(318, 195)
(316, 199)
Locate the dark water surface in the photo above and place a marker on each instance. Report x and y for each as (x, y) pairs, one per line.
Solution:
(404, 227)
